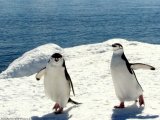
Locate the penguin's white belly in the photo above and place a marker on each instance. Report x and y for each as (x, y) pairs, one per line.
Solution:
(126, 86)
(56, 86)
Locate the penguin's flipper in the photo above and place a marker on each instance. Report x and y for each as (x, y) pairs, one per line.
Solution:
(69, 79)
(74, 102)
(40, 73)
(136, 66)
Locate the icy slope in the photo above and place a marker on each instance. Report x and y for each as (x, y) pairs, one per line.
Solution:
(31, 61)
(89, 68)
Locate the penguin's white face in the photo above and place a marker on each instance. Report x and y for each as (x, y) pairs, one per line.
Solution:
(56, 60)
(117, 48)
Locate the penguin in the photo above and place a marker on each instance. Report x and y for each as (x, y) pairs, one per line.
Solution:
(127, 87)
(57, 82)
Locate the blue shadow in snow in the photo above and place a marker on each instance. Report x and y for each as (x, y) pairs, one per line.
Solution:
(53, 116)
(132, 111)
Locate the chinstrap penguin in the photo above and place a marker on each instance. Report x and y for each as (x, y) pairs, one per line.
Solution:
(57, 82)
(127, 87)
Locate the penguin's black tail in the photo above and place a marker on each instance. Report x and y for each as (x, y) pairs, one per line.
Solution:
(73, 102)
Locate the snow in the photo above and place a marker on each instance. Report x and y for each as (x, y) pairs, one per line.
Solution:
(30, 62)
(89, 67)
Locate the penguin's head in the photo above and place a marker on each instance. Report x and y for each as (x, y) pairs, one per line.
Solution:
(117, 48)
(56, 60)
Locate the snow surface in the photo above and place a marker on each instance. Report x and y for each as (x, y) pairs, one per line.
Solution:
(31, 61)
(89, 67)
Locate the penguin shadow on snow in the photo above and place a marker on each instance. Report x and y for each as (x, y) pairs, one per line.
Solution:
(53, 116)
(130, 112)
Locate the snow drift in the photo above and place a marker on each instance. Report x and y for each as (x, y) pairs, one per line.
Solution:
(31, 62)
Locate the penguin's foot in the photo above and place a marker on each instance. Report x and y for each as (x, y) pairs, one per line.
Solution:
(120, 106)
(141, 100)
(58, 109)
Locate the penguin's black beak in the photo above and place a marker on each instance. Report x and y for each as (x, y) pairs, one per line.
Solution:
(113, 45)
(56, 59)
